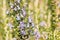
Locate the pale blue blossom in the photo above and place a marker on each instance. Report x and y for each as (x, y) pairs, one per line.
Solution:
(37, 34)
(18, 7)
(24, 13)
(7, 12)
(11, 5)
(14, 39)
(18, 17)
(43, 23)
(28, 25)
(18, 1)
(10, 25)
(32, 24)
(22, 25)
(15, 9)
(23, 32)
(29, 19)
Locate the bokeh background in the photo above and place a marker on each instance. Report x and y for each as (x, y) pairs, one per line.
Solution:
(29, 19)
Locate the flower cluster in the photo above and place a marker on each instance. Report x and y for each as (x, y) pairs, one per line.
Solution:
(21, 19)
(37, 34)
(43, 23)
(25, 29)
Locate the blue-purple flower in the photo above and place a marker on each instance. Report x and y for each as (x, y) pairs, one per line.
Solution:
(23, 32)
(18, 1)
(33, 25)
(18, 17)
(37, 34)
(7, 12)
(10, 25)
(18, 7)
(11, 5)
(24, 12)
(29, 19)
(15, 9)
(22, 25)
(43, 23)
(14, 39)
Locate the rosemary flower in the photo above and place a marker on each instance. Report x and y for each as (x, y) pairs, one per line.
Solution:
(10, 25)
(18, 1)
(23, 32)
(37, 34)
(7, 12)
(11, 5)
(22, 25)
(29, 19)
(15, 9)
(18, 17)
(24, 13)
(43, 23)
(14, 39)
(18, 7)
